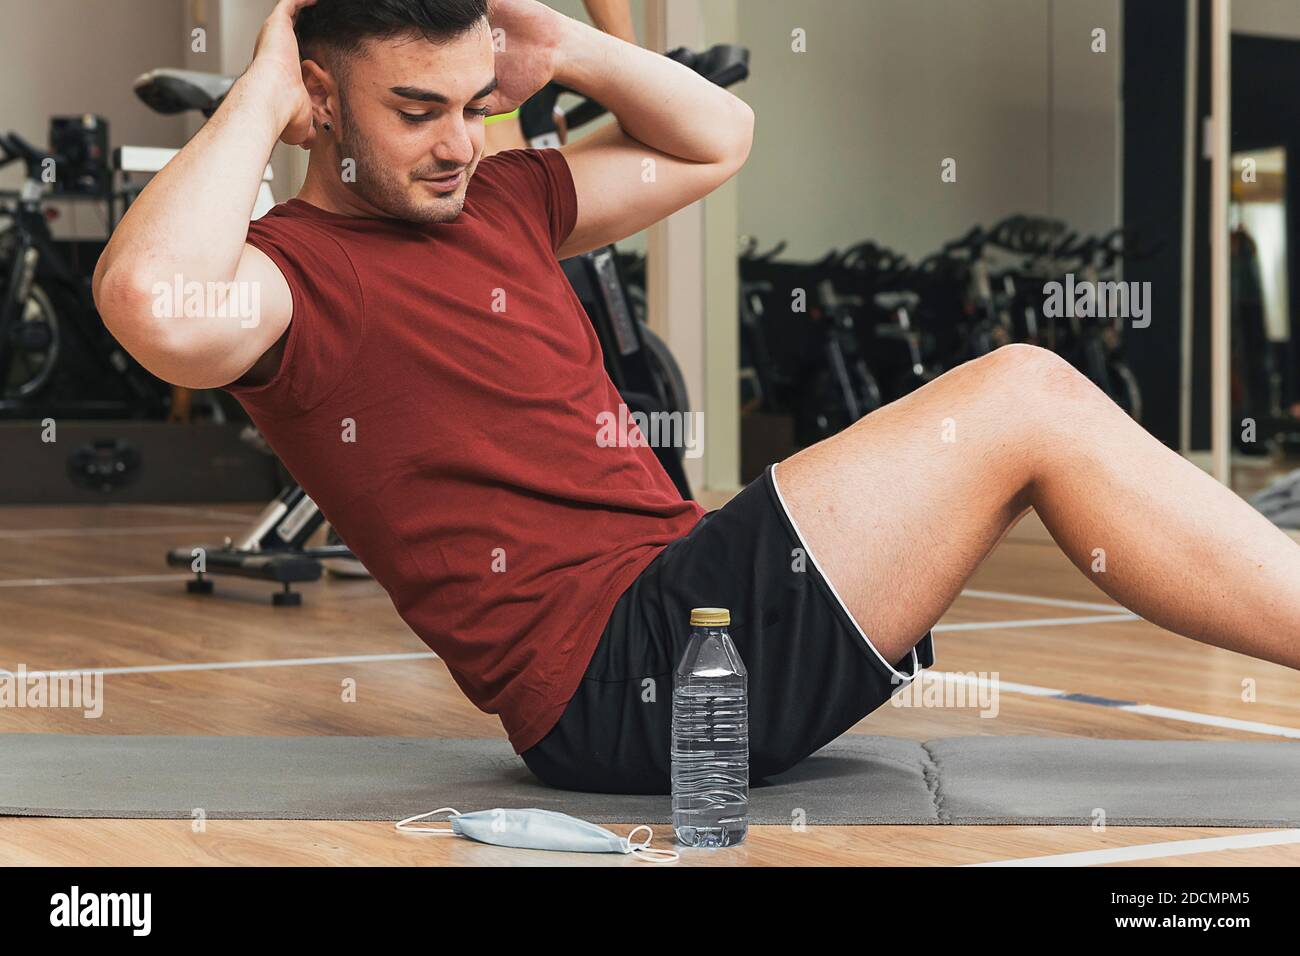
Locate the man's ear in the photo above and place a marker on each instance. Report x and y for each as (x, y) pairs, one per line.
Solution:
(323, 91)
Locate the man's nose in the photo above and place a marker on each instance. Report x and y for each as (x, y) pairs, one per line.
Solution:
(457, 148)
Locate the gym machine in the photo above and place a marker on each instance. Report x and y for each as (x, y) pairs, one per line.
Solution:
(638, 361)
(275, 547)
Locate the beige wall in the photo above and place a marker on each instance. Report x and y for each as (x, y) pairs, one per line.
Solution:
(851, 134)
(1086, 115)
(233, 26)
(1280, 18)
(64, 57)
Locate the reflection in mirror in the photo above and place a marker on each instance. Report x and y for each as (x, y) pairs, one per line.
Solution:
(1262, 388)
(1265, 368)
(964, 194)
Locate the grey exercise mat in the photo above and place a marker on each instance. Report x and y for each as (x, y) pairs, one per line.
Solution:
(857, 779)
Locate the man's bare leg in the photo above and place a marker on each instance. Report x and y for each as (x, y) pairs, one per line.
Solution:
(899, 519)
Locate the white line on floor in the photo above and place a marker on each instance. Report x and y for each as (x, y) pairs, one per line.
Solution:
(1028, 689)
(1152, 851)
(938, 628)
(1117, 613)
(110, 532)
(1045, 601)
(183, 510)
(239, 665)
(167, 509)
(1010, 687)
(1036, 622)
(63, 582)
(1209, 720)
(1167, 713)
(1185, 716)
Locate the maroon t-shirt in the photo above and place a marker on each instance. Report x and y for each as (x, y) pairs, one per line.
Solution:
(439, 398)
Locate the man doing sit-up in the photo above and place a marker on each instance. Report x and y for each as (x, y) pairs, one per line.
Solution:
(423, 368)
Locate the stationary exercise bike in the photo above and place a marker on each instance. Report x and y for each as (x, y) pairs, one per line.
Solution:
(56, 357)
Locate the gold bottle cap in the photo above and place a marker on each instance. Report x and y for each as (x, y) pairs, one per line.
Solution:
(710, 617)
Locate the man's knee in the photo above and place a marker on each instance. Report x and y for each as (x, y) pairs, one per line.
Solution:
(1020, 359)
(1037, 379)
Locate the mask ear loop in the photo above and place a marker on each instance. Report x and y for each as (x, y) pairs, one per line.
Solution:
(644, 851)
(405, 825)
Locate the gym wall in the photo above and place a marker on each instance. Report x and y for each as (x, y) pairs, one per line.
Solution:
(1280, 18)
(231, 27)
(855, 129)
(101, 48)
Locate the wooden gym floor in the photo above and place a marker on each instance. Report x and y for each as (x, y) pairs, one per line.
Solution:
(86, 587)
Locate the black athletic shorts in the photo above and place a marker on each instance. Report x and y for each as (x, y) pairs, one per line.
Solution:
(813, 673)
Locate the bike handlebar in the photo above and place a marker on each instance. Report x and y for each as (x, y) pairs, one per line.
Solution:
(724, 64)
(13, 148)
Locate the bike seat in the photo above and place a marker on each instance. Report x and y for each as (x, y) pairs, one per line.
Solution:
(176, 91)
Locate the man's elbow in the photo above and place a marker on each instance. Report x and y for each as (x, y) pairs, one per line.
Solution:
(743, 138)
(118, 297)
(126, 301)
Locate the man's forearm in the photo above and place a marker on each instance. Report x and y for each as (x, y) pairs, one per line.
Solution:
(657, 101)
(192, 218)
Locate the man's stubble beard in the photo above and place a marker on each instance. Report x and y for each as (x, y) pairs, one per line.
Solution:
(385, 189)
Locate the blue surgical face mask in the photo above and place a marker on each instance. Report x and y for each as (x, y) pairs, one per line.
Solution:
(540, 830)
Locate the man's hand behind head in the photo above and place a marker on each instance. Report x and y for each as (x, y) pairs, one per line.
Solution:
(276, 58)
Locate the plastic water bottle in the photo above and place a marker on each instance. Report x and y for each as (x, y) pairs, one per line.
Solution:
(710, 756)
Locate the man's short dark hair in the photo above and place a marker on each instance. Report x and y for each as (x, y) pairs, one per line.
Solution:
(335, 29)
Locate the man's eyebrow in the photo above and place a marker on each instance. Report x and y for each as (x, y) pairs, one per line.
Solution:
(429, 96)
